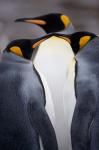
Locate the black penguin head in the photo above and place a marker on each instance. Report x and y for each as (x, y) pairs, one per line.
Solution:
(22, 48)
(80, 39)
(50, 23)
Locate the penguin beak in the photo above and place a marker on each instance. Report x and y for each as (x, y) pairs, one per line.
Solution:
(31, 20)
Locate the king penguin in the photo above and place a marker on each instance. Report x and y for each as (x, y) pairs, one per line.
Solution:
(85, 123)
(55, 63)
(54, 22)
(22, 102)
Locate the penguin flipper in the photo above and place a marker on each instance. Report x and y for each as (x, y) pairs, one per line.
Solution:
(82, 118)
(40, 120)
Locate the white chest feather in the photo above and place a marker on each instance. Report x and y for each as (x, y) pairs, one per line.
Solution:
(54, 62)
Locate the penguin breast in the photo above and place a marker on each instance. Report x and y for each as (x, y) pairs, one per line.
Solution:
(53, 63)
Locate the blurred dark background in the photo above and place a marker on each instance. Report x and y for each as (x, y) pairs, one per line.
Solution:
(83, 13)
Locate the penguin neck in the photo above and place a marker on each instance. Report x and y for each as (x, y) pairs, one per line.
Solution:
(69, 30)
(11, 57)
(52, 62)
(89, 48)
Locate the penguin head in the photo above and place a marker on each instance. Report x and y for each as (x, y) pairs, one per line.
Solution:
(22, 48)
(54, 22)
(80, 39)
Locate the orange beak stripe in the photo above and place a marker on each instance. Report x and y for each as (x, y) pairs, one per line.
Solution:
(38, 22)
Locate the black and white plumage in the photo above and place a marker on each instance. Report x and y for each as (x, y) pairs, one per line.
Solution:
(85, 124)
(54, 61)
(23, 118)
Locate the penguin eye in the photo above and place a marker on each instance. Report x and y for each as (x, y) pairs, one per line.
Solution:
(65, 20)
(16, 50)
(38, 43)
(84, 40)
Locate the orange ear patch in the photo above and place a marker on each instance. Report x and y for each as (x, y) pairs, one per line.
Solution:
(16, 50)
(84, 40)
(66, 21)
(38, 22)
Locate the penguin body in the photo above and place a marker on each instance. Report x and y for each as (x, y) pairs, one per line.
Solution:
(22, 105)
(54, 61)
(85, 123)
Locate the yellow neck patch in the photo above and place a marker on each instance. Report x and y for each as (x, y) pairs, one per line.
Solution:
(38, 22)
(38, 43)
(66, 21)
(54, 38)
(84, 40)
(65, 38)
(16, 50)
